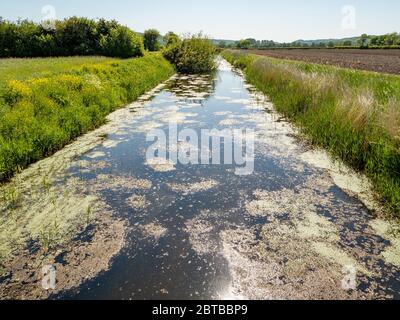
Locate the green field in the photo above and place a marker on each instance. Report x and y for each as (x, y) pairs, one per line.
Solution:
(354, 114)
(22, 69)
(46, 103)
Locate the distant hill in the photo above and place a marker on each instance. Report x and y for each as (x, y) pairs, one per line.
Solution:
(353, 40)
(227, 42)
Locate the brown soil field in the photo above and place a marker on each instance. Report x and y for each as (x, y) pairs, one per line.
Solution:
(384, 61)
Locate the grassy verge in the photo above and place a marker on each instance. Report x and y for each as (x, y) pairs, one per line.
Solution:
(354, 114)
(23, 69)
(41, 115)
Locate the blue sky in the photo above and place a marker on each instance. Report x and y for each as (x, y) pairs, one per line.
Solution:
(279, 20)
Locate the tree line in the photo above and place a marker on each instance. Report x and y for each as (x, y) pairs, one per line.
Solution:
(82, 36)
(386, 40)
(77, 36)
(365, 41)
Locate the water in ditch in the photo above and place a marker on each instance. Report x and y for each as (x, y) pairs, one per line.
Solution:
(298, 226)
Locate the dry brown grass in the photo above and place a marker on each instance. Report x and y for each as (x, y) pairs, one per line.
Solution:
(390, 119)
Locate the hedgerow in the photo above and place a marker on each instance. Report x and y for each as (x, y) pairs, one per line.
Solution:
(69, 37)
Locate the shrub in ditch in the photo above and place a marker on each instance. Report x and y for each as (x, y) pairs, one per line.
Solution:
(192, 55)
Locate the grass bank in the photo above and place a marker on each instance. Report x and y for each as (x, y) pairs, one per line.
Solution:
(23, 69)
(354, 114)
(39, 116)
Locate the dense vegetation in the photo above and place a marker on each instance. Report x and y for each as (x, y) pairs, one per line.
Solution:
(354, 114)
(171, 38)
(387, 40)
(194, 54)
(70, 37)
(39, 116)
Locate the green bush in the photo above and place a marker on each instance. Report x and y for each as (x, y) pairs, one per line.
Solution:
(41, 115)
(195, 54)
(121, 42)
(69, 37)
(171, 38)
(151, 40)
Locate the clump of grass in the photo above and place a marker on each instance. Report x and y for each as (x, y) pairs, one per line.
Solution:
(46, 185)
(40, 116)
(88, 215)
(48, 237)
(13, 197)
(354, 114)
(10, 197)
(390, 119)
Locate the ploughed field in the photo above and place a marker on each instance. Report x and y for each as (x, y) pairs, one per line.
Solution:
(385, 61)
